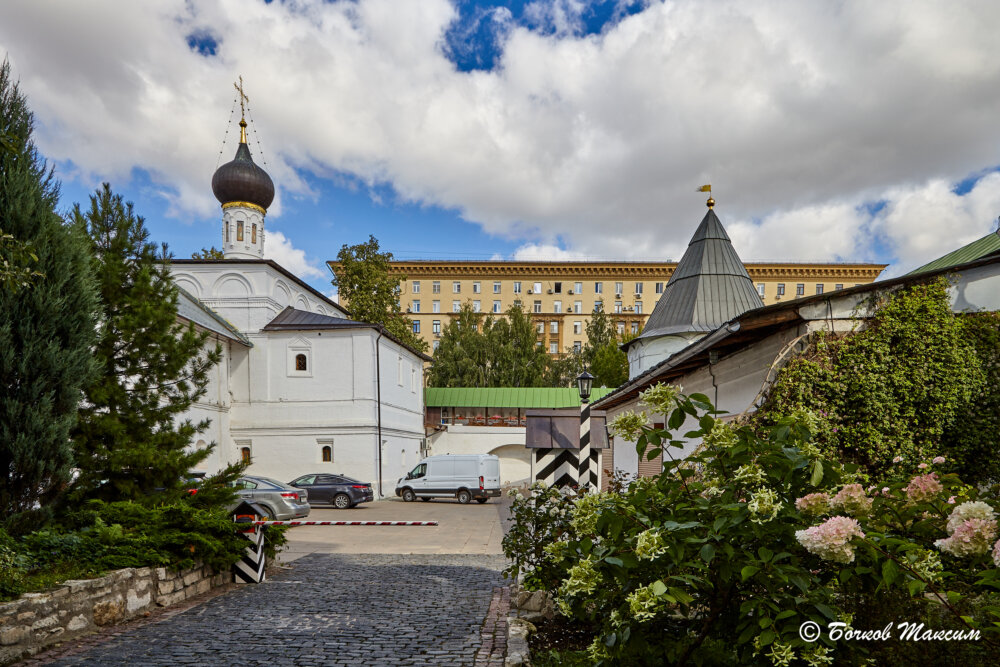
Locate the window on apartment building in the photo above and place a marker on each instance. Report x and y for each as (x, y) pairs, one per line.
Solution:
(456, 306)
(638, 288)
(638, 307)
(598, 288)
(456, 287)
(577, 288)
(436, 287)
(537, 288)
(819, 288)
(618, 288)
(540, 327)
(618, 306)
(517, 287)
(477, 287)
(416, 287)
(557, 306)
(553, 347)
(781, 289)
(496, 306)
(496, 286)
(436, 345)
(659, 288)
(416, 326)
(760, 289)
(598, 305)
(436, 306)
(557, 287)
(577, 347)
(621, 328)
(476, 307)
(800, 289)
(577, 327)
(415, 306)
(517, 303)
(553, 327)
(436, 326)
(635, 327)
(838, 286)
(578, 306)
(475, 326)
(538, 306)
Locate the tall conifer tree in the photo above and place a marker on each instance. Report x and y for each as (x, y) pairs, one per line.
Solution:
(130, 440)
(46, 327)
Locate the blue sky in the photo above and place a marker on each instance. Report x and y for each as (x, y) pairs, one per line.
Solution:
(549, 129)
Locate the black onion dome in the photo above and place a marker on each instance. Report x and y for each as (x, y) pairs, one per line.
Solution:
(243, 181)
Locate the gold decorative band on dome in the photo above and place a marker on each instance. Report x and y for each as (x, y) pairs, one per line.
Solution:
(245, 204)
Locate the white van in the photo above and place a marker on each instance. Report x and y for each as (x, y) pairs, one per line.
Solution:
(452, 476)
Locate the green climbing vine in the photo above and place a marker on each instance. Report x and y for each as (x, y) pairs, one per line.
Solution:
(915, 381)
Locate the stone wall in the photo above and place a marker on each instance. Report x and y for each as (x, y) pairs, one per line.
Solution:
(78, 607)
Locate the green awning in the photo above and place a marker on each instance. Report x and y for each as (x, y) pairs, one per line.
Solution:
(508, 397)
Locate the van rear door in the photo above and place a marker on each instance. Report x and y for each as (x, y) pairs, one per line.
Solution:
(490, 468)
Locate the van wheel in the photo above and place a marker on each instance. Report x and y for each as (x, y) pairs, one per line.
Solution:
(409, 496)
(464, 497)
(342, 501)
(481, 500)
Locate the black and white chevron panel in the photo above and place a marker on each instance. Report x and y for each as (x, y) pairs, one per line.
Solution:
(568, 467)
(250, 568)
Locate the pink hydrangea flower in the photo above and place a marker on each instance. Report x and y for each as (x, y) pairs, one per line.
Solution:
(923, 488)
(885, 490)
(814, 504)
(971, 538)
(996, 553)
(831, 540)
(951, 500)
(938, 460)
(922, 466)
(852, 500)
(897, 459)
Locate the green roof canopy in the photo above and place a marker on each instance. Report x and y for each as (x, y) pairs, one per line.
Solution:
(988, 245)
(508, 397)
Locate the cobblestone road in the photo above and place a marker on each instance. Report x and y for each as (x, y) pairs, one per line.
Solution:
(334, 609)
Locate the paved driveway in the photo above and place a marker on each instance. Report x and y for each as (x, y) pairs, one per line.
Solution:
(334, 609)
(462, 529)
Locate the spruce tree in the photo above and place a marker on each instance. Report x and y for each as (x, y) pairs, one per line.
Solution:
(131, 441)
(46, 326)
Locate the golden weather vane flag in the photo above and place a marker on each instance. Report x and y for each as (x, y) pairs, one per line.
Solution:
(705, 188)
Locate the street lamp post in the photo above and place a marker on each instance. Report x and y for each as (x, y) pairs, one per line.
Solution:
(586, 476)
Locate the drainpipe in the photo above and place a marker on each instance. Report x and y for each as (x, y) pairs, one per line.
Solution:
(378, 403)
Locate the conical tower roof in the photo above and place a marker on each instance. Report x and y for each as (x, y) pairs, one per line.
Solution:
(709, 287)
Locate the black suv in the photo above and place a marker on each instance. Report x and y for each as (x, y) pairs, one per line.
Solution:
(337, 490)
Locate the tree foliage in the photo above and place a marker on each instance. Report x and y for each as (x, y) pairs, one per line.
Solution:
(897, 387)
(478, 350)
(208, 253)
(130, 441)
(366, 282)
(46, 332)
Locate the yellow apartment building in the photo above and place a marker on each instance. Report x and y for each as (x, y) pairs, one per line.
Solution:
(561, 295)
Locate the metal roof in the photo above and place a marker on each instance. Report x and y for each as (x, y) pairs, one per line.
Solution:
(709, 287)
(292, 319)
(983, 247)
(193, 310)
(508, 397)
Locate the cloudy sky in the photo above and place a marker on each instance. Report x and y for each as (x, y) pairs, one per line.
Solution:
(850, 130)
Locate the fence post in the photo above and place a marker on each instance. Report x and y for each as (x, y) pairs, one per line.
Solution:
(250, 569)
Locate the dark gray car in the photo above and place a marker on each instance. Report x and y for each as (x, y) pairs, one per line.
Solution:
(337, 490)
(281, 501)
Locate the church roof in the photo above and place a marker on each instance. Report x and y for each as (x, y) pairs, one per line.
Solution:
(292, 319)
(709, 287)
(240, 180)
(984, 247)
(193, 310)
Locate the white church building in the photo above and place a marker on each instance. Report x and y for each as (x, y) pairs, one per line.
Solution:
(301, 387)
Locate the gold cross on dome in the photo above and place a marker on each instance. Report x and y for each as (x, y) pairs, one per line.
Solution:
(243, 97)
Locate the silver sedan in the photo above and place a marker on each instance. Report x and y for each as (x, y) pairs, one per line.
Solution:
(281, 501)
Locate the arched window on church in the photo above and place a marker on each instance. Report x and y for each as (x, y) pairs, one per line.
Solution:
(245, 454)
(253, 233)
(227, 232)
(239, 231)
(300, 362)
(327, 454)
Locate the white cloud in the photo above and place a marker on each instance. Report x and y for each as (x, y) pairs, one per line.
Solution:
(281, 250)
(798, 113)
(545, 253)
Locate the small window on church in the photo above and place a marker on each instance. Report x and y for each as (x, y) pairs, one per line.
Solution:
(239, 231)
(227, 232)
(245, 454)
(327, 454)
(300, 362)
(253, 233)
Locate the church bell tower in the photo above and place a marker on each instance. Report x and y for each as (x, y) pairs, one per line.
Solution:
(245, 191)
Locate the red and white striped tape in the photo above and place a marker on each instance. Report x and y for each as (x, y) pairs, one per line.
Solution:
(345, 523)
